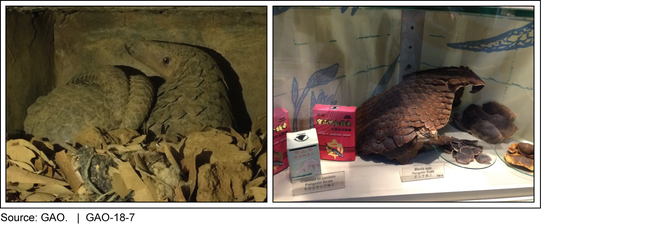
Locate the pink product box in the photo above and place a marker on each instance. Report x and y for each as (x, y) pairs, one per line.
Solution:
(280, 129)
(335, 126)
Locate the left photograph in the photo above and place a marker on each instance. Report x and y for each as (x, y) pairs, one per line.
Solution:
(136, 104)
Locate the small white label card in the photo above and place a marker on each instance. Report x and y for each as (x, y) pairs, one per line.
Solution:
(422, 172)
(318, 183)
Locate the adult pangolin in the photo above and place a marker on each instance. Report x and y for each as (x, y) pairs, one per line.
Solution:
(103, 97)
(399, 121)
(194, 94)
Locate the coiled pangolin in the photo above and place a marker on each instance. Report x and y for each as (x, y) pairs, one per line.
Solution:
(399, 121)
(104, 97)
(194, 94)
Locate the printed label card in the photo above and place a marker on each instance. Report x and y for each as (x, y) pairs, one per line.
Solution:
(422, 172)
(318, 183)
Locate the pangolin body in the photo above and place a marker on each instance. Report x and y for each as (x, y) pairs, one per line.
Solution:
(194, 94)
(104, 97)
(399, 121)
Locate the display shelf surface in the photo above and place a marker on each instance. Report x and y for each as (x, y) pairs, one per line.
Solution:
(375, 178)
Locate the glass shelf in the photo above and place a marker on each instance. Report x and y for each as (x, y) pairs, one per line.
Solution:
(488, 149)
(502, 149)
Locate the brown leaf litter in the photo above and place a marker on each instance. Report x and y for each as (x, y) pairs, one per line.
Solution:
(213, 165)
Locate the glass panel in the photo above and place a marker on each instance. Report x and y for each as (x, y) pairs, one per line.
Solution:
(345, 55)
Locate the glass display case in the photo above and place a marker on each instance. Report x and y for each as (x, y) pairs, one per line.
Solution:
(350, 56)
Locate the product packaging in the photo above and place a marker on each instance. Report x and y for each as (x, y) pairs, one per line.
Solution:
(335, 126)
(304, 159)
(280, 129)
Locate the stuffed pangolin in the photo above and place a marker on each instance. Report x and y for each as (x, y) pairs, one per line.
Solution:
(399, 121)
(103, 97)
(194, 94)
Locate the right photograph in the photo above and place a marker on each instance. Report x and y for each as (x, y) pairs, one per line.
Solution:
(404, 104)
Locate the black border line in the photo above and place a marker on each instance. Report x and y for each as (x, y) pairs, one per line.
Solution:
(144, 9)
(439, 202)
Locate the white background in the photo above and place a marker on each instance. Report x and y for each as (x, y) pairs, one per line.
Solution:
(594, 131)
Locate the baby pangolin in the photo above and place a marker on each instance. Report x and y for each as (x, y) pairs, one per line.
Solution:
(194, 94)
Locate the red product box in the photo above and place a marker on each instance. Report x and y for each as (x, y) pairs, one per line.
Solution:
(335, 126)
(280, 129)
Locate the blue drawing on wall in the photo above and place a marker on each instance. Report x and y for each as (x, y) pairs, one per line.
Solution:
(277, 10)
(381, 86)
(514, 39)
(354, 9)
(322, 99)
(320, 77)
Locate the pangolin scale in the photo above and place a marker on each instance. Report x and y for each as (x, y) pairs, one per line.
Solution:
(194, 94)
(103, 97)
(399, 121)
